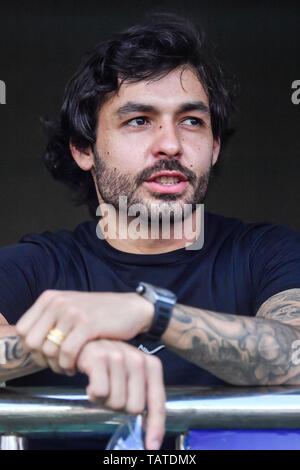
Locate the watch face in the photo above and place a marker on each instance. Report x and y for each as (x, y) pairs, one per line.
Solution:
(154, 292)
(165, 292)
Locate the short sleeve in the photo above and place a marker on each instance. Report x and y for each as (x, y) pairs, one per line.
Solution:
(22, 268)
(274, 261)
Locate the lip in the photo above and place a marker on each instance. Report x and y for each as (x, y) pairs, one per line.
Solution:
(166, 188)
(179, 175)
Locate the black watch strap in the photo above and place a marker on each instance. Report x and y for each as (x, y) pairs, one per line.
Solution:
(164, 302)
(161, 319)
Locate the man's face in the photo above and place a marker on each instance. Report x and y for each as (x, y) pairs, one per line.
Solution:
(155, 143)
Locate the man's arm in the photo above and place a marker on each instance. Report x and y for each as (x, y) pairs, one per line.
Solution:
(242, 350)
(14, 361)
(118, 373)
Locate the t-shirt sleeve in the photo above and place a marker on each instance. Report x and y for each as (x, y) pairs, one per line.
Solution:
(22, 278)
(274, 262)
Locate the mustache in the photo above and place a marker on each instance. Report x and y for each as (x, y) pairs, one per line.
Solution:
(167, 165)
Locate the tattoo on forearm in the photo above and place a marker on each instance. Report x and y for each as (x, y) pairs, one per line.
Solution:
(242, 350)
(284, 306)
(14, 361)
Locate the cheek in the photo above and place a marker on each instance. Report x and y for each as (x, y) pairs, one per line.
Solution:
(119, 155)
(199, 154)
(110, 150)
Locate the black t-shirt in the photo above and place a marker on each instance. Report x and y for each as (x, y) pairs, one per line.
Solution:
(239, 267)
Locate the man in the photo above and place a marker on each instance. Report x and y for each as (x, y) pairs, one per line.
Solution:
(144, 118)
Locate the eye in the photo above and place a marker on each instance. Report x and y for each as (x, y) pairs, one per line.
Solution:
(193, 122)
(137, 122)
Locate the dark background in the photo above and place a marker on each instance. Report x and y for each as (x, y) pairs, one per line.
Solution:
(41, 43)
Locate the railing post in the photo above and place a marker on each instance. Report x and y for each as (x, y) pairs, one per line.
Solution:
(12, 442)
(179, 441)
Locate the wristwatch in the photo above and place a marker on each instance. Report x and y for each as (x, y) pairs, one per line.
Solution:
(163, 301)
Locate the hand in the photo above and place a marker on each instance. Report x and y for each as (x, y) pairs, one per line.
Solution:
(81, 317)
(128, 379)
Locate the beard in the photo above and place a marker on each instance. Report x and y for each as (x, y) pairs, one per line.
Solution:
(111, 184)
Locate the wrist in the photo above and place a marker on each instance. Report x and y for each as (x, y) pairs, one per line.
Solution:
(163, 301)
(145, 310)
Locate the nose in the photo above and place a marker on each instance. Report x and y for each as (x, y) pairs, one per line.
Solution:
(166, 142)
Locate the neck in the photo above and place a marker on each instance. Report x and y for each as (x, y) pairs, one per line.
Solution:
(132, 236)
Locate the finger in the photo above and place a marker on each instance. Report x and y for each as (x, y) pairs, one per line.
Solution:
(49, 348)
(136, 382)
(118, 379)
(156, 398)
(93, 362)
(42, 361)
(72, 346)
(39, 359)
(29, 318)
(36, 338)
(98, 388)
(52, 363)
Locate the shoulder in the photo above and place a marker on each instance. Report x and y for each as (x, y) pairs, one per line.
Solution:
(61, 240)
(252, 234)
(41, 254)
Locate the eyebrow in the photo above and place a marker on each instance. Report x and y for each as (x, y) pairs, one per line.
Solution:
(133, 107)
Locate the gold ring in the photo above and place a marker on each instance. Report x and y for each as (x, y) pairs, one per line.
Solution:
(56, 336)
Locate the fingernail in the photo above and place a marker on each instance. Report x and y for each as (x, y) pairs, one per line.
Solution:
(70, 373)
(155, 445)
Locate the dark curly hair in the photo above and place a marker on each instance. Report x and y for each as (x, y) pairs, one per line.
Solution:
(149, 50)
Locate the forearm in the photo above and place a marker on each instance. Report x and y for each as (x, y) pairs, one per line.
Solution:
(240, 350)
(14, 361)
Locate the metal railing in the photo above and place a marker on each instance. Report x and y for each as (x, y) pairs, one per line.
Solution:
(26, 411)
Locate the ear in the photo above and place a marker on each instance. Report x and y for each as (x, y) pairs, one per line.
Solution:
(216, 150)
(83, 158)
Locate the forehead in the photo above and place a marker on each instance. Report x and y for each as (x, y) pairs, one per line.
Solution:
(179, 85)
